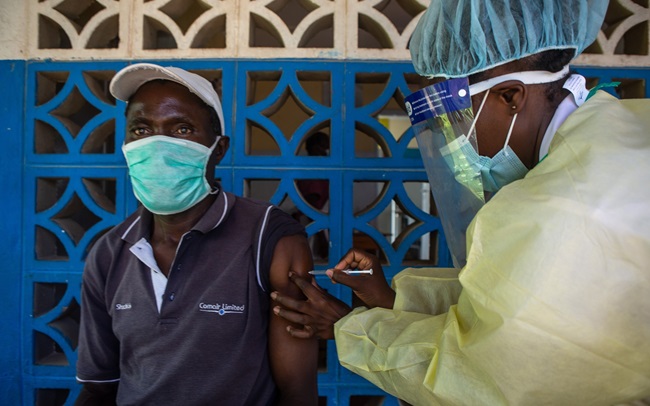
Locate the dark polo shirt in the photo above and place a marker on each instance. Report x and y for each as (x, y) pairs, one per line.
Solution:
(208, 343)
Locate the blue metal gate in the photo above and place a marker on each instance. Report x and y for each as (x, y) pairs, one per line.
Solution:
(65, 183)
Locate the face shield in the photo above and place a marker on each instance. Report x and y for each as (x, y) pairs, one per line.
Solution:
(443, 121)
(442, 118)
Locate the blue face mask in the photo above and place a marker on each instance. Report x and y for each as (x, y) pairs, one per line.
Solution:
(503, 168)
(168, 174)
(496, 172)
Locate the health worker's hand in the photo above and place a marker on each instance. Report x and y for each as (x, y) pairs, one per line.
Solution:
(373, 289)
(317, 314)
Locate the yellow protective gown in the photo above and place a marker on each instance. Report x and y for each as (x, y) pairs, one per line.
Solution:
(554, 306)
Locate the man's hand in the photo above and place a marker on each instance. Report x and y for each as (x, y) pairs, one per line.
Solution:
(317, 314)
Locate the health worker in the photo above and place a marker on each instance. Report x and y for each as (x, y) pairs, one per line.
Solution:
(551, 304)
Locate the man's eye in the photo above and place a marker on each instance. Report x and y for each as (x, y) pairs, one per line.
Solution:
(139, 131)
(184, 130)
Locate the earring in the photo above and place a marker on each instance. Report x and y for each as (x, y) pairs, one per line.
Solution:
(514, 107)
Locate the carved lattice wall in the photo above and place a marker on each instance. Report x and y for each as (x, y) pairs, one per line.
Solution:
(284, 69)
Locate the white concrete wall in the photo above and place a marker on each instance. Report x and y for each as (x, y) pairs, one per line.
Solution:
(13, 30)
(328, 29)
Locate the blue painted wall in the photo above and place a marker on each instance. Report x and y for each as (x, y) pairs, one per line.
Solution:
(12, 83)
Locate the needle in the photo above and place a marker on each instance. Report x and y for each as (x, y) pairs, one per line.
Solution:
(347, 271)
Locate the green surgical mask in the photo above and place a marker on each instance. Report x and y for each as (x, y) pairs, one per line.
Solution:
(168, 174)
(494, 173)
(468, 166)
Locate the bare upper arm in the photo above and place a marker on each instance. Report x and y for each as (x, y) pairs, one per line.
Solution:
(291, 254)
(293, 361)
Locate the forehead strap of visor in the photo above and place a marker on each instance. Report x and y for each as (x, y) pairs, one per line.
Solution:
(526, 77)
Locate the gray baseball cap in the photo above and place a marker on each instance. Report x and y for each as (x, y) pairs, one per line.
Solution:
(128, 80)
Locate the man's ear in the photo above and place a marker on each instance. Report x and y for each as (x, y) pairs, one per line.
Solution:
(512, 95)
(220, 149)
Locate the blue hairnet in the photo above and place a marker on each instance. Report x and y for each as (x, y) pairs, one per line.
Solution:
(456, 38)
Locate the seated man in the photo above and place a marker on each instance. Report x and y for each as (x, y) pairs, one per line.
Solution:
(175, 299)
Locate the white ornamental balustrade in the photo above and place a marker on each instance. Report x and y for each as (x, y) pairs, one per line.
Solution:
(319, 29)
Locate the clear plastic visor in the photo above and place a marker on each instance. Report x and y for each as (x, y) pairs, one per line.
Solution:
(441, 117)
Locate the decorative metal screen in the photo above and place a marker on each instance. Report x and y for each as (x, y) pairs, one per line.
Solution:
(76, 185)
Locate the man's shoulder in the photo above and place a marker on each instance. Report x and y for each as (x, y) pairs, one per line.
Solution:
(258, 214)
(115, 234)
(122, 228)
(249, 202)
(254, 208)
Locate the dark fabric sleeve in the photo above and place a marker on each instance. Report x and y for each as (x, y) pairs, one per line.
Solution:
(280, 224)
(93, 394)
(98, 351)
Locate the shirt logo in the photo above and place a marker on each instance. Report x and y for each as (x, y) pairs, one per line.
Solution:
(123, 306)
(221, 309)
